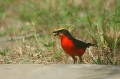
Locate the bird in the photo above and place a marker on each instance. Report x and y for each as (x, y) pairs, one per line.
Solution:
(72, 46)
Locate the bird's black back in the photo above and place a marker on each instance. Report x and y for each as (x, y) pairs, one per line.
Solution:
(80, 44)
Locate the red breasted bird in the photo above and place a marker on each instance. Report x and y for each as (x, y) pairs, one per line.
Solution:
(70, 45)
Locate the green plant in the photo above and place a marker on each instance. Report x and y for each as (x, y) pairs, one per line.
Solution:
(8, 31)
(56, 55)
(99, 61)
(88, 18)
(106, 28)
(2, 4)
(107, 59)
(111, 62)
(4, 52)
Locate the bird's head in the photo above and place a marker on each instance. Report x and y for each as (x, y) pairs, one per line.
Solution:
(61, 32)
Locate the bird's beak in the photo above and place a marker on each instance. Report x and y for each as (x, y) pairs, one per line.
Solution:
(55, 33)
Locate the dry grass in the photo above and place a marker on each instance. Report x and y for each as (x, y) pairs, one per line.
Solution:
(46, 48)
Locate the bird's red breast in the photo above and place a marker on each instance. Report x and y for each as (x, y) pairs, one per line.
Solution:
(69, 47)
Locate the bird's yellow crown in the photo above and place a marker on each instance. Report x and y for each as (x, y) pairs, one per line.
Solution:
(61, 29)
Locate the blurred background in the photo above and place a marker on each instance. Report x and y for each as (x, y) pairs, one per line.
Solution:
(26, 28)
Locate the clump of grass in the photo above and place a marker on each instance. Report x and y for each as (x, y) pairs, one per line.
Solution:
(44, 16)
(57, 13)
(3, 52)
(107, 33)
(8, 31)
(106, 28)
(108, 61)
(2, 13)
(56, 55)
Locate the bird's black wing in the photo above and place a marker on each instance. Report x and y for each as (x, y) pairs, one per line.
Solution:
(81, 44)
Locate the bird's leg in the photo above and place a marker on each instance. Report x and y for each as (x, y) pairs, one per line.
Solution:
(75, 60)
(80, 59)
